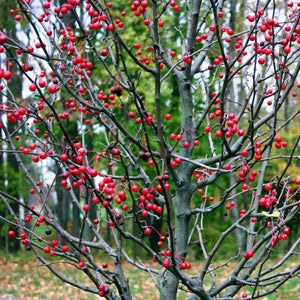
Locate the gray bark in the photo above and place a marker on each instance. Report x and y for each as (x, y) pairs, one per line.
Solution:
(181, 202)
(235, 215)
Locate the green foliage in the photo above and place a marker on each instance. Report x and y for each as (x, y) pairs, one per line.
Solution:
(11, 183)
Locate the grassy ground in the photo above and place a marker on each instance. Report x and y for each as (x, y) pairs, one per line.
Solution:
(21, 276)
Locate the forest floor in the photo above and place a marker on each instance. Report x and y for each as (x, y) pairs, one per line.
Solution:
(22, 276)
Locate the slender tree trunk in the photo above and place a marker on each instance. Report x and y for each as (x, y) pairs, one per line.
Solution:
(184, 195)
(3, 238)
(181, 205)
(234, 211)
(235, 215)
(76, 216)
(62, 206)
(15, 85)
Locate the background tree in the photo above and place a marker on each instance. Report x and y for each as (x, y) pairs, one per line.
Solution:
(115, 71)
(9, 164)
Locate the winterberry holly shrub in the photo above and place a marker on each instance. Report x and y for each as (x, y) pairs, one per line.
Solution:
(145, 123)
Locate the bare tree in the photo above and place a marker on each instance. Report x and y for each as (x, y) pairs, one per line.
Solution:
(116, 74)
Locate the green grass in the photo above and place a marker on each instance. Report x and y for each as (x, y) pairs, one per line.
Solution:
(22, 276)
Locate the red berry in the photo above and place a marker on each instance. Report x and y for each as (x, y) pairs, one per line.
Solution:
(86, 207)
(212, 27)
(135, 188)
(168, 117)
(183, 266)
(147, 22)
(131, 115)
(32, 87)
(148, 231)
(54, 243)
(64, 157)
(198, 39)
(7, 75)
(65, 248)
(104, 52)
(244, 153)
(47, 249)
(219, 133)
(3, 39)
(166, 263)
(110, 27)
(11, 233)
(268, 187)
(227, 167)
(241, 132)
(172, 136)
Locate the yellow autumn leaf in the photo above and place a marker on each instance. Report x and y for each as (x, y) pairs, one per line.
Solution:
(275, 214)
(61, 41)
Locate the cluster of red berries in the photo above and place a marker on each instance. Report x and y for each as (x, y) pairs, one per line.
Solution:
(248, 254)
(39, 221)
(166, 263)
(148, 118)
(145, 156)
(243, 176)
(277, 236)
(258, 150)
(242, 213)
(229, 205)
(230, 127)
(5, 74)
(103, 290)
(279, 143)
(108, 186)
(14, 115)
(268, 200)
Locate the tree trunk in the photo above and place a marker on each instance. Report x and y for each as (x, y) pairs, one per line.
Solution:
(15, 85)
(235, 215)
(76, 216)
(181, 205)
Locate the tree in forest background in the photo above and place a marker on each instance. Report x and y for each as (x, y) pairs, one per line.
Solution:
(9, 165)
(164, 123)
